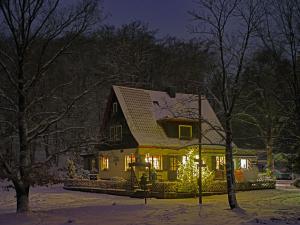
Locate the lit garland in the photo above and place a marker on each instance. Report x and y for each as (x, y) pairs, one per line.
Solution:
(188, 173)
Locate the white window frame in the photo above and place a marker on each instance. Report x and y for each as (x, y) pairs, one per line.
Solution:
(151, 158)
(173, 163)
(115, 107)
(118, 136)
(113, 133)
(184, 159)
(185, 126)
(244, 165)
(220, 161)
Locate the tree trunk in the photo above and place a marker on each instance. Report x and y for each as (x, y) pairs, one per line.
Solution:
(298, 112)
(22, 193)
(230, 166)
(22, 188)
(269, 149)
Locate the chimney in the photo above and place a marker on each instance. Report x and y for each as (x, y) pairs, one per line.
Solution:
(171, 91)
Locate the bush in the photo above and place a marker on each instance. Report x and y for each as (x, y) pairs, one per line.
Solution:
(208, 179)
(71, 169)
(82, 174)
(250, 175)
(296, 183)
(265, 177)
(188, 174)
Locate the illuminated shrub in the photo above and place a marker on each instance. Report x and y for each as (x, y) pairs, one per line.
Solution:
(71, 169)
(188, 174)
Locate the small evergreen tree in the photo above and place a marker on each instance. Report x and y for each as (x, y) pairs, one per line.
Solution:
(188, 174)
(71, 169)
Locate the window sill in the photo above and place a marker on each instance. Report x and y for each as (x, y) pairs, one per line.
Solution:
(185, 138)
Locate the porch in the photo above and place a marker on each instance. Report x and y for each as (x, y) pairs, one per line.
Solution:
(163, 164)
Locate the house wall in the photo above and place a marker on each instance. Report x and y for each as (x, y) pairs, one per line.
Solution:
(166, 173)
(90, 162)
(172, 128)
(162, 174)
(209, 162)
(116, 163)
(113, 119)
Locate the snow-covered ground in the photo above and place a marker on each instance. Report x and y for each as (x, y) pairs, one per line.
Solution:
(54, 206)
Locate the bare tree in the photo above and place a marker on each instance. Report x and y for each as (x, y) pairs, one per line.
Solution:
(281, 34)
(36, 34)
(260, 103)
(230, 25)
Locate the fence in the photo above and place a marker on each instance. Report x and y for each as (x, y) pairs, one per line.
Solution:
(221, 186)
(169, 189)
(104, 184)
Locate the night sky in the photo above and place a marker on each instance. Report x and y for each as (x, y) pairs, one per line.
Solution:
(170, 17)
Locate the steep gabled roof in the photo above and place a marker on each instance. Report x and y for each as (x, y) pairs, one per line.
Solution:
(143, 109)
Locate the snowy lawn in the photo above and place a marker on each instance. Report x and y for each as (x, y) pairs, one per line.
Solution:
(53, 205)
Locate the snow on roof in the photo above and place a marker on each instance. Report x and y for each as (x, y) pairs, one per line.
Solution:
(143, 109)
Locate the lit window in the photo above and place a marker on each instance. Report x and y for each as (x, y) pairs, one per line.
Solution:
(173, 163)
(185, 132)
(104, 162)
(244, 163)
(115, 107)
(129, 159)
(184, 159)
(155, 161)
(197, 161)
(220, 162)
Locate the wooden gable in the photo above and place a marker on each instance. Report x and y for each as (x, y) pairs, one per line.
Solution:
(114, 122)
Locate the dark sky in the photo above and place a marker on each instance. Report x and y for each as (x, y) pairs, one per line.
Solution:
(169, 16)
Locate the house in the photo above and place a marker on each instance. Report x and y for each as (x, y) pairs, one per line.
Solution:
(146, 128)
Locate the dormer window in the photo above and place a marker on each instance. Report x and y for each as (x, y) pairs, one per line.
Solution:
(156, 103)
(185, 132)
(115, 107)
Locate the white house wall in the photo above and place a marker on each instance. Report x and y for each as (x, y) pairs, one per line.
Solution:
(116, 166)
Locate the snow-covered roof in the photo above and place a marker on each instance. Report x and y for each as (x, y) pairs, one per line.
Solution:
(144, 109)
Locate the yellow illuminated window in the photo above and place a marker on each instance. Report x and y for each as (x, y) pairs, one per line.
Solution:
(185, 132)
(129, 159)
(104, 162)
(173, 163)
(197, 160)
(220, 162)
(155, 161)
